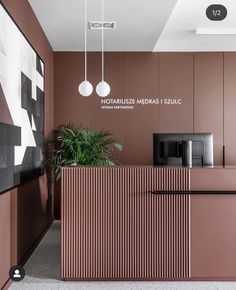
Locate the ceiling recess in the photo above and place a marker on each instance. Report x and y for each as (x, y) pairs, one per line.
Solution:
(219, 31)
(98, 24)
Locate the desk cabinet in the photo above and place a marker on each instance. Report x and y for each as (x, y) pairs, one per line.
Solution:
(114, 228)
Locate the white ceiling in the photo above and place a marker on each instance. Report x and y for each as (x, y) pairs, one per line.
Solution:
(188, 15)
(141, 25)
(138, 23)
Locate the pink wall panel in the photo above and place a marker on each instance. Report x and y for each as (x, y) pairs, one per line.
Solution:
(66, 88)
(208, 98)
(111, 120)
(230, 107)
(140, 82)
(176, 81)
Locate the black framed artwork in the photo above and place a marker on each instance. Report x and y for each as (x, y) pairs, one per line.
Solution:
(21, 106)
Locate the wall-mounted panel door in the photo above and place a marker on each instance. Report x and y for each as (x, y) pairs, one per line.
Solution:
(100, 116)
(230, 107)
(176, 82)
(140, 83)
(208, 99)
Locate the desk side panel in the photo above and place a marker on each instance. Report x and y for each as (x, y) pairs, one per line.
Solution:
(213, 236)
(207, 179)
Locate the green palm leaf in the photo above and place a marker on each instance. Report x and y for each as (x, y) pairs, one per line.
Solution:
(81, 146)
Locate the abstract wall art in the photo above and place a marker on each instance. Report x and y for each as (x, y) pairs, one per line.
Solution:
(21, 106)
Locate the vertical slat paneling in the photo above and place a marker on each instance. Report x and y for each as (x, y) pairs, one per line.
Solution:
(112, 227)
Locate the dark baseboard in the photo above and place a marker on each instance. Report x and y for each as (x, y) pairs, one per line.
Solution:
(7, 284)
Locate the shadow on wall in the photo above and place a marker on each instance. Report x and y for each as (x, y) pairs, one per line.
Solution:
(34, 212)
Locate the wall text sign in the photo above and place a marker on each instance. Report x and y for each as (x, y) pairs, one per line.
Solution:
(131, 103)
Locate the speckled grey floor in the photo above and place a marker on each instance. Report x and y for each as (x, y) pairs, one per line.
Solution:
(42, 272)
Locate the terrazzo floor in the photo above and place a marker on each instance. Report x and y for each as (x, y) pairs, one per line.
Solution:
(43, 272)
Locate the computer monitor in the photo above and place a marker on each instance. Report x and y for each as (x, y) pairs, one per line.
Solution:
(183, 149)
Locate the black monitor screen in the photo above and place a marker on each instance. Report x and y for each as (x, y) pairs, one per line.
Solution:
(168, 148)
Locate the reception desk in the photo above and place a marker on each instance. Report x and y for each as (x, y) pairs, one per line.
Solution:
(148, 223)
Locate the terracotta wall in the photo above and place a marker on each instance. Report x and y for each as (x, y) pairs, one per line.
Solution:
(26, 211)
(124, 72)
(204, 81)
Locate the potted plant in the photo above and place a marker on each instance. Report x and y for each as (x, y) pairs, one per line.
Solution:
(79, 146)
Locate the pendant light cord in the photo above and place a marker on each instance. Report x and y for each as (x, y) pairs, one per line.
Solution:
(102, 40)
(85, 39)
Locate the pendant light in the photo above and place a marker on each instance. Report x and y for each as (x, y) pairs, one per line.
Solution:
(103, 89)
(85, 88)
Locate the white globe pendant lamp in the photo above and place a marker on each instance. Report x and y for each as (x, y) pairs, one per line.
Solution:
(103, 89)
(85, 88)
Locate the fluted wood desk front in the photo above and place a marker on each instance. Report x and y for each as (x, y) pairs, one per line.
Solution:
(115, 228)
